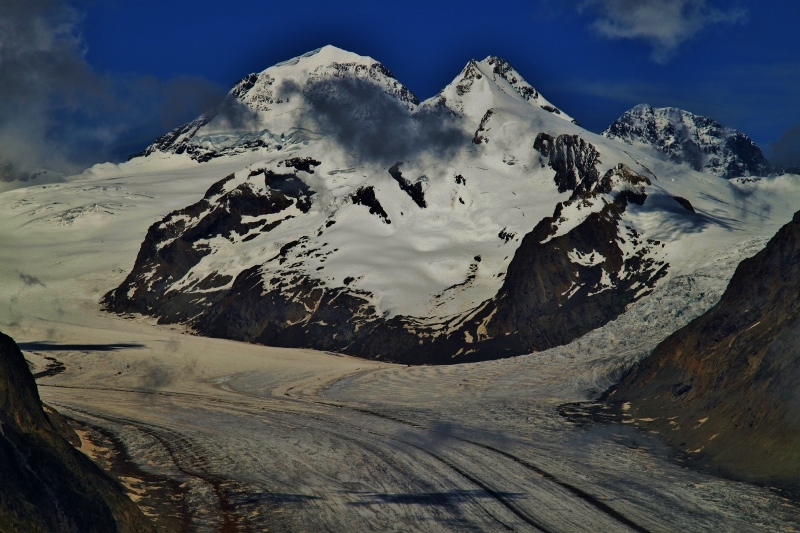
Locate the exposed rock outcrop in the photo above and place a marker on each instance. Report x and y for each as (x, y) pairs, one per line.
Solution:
(176, 244)
(573, 159)
(413, 190)
(366, 196)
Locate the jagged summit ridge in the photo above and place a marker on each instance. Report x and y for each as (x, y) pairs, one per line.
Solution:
(683, 137)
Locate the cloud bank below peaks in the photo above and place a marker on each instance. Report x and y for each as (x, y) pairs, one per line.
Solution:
(365, 120)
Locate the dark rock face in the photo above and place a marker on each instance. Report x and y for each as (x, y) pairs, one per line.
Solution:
(479, 138)
(468, 76)
(366, 196)
(551, 109)
(685, 203)
(571, 157)
(559, 287)
(171, 247)
(309, 314)
(47, 485)
(306, 164)
(414, 190)
(726, 387)
(700, 142)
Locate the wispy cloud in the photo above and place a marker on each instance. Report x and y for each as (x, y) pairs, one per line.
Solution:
(664, 24)
(366, 120)
(58, 113)
(786, 150)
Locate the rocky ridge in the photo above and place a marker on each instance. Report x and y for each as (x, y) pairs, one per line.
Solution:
(47, 485)
(725, 388)
(700, 142)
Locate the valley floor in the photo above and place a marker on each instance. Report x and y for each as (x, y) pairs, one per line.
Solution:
(238, 437)
(254, 438)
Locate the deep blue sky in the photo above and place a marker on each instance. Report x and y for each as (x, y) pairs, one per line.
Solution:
(736, 61)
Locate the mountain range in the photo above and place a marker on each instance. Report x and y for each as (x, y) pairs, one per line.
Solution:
(481, 223)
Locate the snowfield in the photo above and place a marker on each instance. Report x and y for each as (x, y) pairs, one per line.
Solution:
(250, 438)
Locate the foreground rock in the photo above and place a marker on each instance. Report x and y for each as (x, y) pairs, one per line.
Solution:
(47, 485)
(726, 388)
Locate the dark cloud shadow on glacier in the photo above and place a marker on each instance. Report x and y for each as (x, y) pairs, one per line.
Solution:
(152, 375)
(444, 433)
(680, 220)
(48, 346)
(450, 498)
(30, 280)
(366, 120)
(740, 202)
(245, 498)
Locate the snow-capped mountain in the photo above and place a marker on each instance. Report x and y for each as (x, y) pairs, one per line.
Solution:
(480, 223)
(700, 142)
(272, 110)
(483, 84)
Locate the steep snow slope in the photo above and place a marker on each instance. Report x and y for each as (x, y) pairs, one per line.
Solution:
(395, 230)
(700, 142)
(482, 85)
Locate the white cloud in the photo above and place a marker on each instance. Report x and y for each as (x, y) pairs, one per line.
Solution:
(664, 24)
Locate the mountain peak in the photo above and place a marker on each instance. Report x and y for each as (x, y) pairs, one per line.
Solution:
(683, 137)
(324, 56)
(263, 110)
(489, 83)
